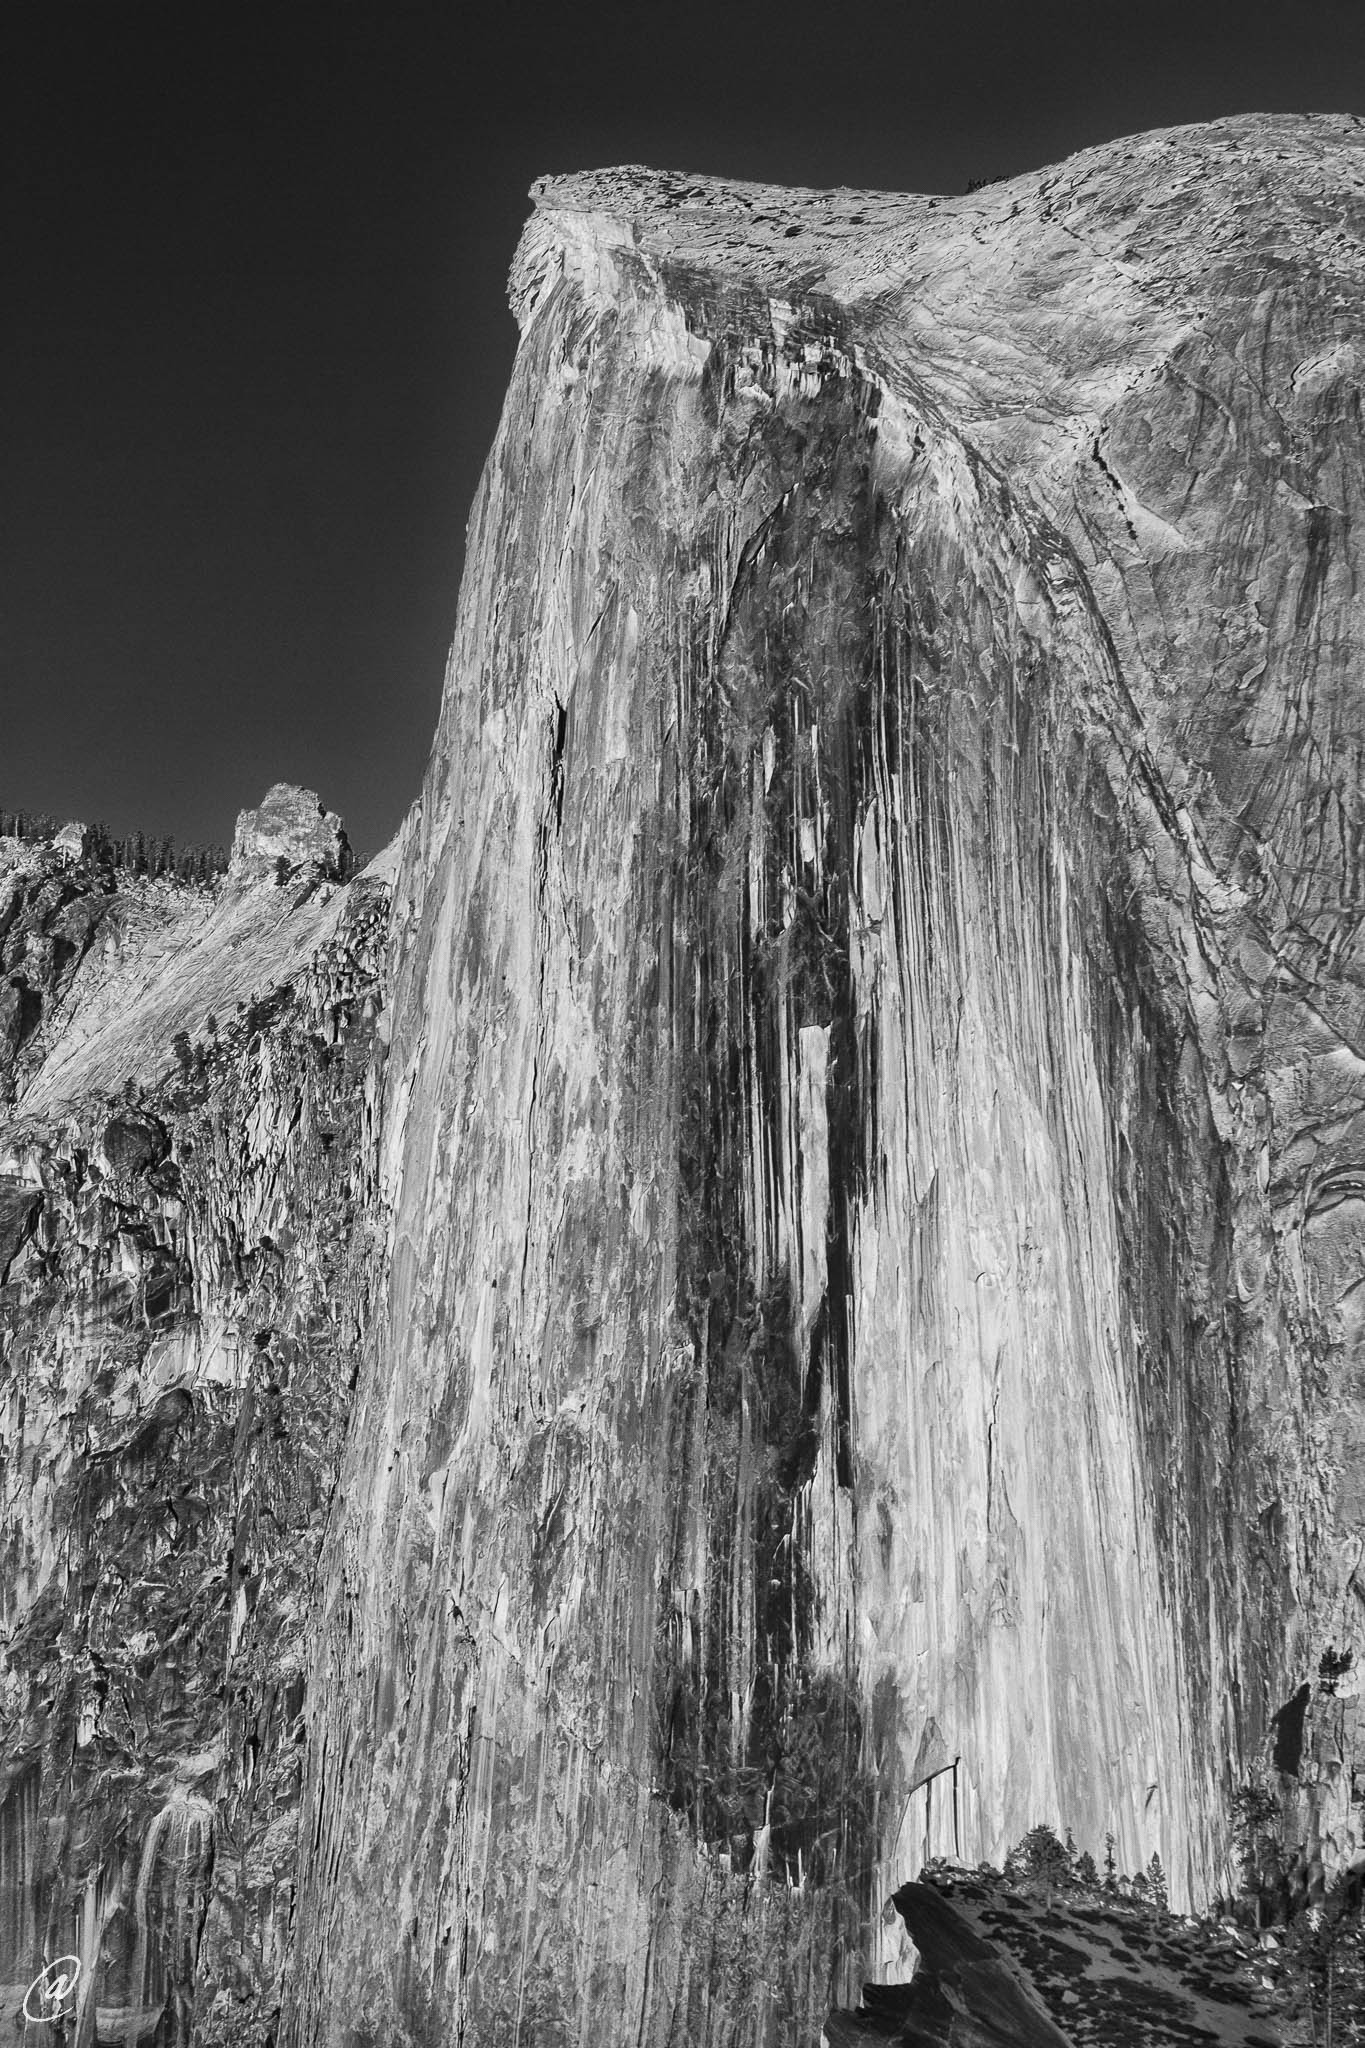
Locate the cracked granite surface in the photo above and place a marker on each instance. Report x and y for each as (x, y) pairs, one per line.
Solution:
(865, 1349)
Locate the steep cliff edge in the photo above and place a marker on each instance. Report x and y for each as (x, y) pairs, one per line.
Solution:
(783, 1294)
(872, 1350)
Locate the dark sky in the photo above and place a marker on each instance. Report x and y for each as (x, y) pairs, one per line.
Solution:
(253, 333)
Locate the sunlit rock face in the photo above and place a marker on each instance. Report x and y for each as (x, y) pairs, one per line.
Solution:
(290, 830)
(189, 1252)
(871, 1357)
(789, 1299)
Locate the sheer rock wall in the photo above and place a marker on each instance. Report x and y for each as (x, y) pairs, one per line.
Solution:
(792, 1301)
(872, 1351)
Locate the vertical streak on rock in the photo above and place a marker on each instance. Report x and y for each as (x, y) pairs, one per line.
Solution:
(751, 1422)
(1013, 1584)
(875, 1144)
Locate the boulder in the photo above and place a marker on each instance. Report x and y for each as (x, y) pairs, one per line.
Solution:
(131, 1143)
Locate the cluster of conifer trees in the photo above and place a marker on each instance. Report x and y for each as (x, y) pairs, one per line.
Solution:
(1040, 1858)
(133, 853)
(1309, 1951)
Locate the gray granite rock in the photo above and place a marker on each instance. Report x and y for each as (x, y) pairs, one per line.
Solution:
(189, 1248)
(829, 1211)
(291, 830)
(872, 1358)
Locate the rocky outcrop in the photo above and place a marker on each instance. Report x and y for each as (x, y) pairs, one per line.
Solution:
(51, 908)
(291, 830)
(870, 1358)
(190, 1240)
(962, 1991)
(1005, 1965)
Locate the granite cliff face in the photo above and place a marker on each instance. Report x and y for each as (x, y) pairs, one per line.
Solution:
(189, 1245)
(861, 1346)
(872, 1347)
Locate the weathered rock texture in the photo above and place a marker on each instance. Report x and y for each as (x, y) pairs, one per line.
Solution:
(189, 1247)
(865, 1351)
(871, 1355)
(291, 831)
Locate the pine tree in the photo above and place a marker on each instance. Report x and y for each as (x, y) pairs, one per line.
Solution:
(1039, 1860)
(1255, 1813)
(1111, 1875)
(1156, 1878)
